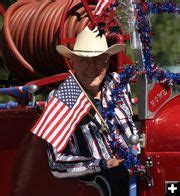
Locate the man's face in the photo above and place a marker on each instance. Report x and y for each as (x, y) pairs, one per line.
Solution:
(91, 71)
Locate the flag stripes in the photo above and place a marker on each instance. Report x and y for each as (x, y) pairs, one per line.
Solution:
(58, 121)
(102, 5)
(64, 142)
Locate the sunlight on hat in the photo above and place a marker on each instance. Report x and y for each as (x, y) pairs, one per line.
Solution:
(89, 44)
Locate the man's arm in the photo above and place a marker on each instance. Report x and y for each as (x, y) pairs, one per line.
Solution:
(68, 166)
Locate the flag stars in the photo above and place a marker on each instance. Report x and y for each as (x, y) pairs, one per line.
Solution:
(68, 92)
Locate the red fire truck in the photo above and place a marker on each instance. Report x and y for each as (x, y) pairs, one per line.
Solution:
(32, 29)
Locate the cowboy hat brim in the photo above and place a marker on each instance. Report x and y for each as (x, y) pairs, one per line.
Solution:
(66, 52)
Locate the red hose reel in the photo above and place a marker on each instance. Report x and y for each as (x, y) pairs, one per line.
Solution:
(32, 29)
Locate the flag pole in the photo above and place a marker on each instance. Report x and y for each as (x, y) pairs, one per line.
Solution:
(99, 115)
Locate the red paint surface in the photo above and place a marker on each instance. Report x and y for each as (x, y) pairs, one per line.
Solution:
(14, 124)
(158, 96)
(163, 132)
(166, 168)
(163, 145)
(6, 164)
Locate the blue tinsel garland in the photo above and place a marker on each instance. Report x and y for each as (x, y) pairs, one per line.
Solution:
(152, 71)
(142, 9)
(108, 114)
(145, 31)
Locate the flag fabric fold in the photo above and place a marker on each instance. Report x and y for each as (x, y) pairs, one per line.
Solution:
(63, 112)
(101, 6)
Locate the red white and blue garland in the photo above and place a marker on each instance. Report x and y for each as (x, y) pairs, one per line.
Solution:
(153, 71)
(130, 158)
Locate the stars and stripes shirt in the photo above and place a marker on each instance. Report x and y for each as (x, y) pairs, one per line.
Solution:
(123, 107)
(87, 146)
(82, 156)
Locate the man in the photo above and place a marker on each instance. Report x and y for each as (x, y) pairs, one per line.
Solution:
(88, 153)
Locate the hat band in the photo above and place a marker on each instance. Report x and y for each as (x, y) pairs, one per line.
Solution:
(88, 51)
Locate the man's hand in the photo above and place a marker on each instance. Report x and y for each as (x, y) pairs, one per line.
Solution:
(114, 162)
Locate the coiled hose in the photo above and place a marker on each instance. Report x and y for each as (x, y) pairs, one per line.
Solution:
(32, 30)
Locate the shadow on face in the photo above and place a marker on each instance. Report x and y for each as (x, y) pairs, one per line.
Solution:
(90, 71)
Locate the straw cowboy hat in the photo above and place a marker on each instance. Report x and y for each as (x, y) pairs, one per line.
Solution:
(89, 44)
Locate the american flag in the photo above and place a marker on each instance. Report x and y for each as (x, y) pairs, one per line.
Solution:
(101, 7)
(64, 110)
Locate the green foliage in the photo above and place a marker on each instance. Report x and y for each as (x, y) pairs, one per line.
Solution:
(7, 3)
(166, 40)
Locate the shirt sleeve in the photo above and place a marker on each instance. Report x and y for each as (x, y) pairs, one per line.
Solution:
(69, 166)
